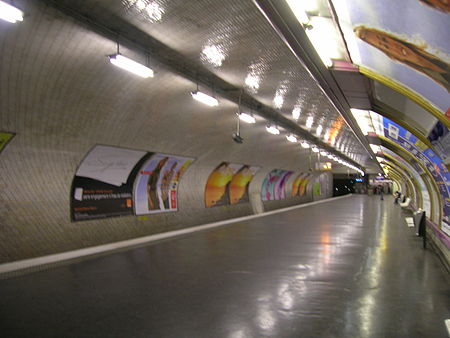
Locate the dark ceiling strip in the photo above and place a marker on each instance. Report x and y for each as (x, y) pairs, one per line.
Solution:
(114, 27)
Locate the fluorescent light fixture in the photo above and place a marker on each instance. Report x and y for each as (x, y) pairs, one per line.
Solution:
(296, 113)
(130, 65)
(323, 37)
(291, 138)
(323, 153)
(10, 13)
(304, 144)
(326, 137)
(299, 10)
(204, 98)
(309, 122)
(272, 129)
(315, 149)
(319, 130)
(248, 118)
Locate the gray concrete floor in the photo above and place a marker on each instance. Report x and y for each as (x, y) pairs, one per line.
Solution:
(346, 268)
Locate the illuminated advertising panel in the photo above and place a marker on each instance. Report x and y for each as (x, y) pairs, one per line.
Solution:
(274, 185)
(228, 184)
(156, 186)
(103, 184)
(406, 42)
(112, 181)
(427, 157)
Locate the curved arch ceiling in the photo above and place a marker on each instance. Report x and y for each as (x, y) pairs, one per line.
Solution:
(408, 44)
(226, 49)
(373, 124)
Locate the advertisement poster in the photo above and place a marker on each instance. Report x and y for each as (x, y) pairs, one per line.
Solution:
(156, 186)
(273, 186)
(387, 37)
(217, 190)
(316, 189)
(103, 184)
(429, 159)
(4, 139)
(238, 187)
(299, 185)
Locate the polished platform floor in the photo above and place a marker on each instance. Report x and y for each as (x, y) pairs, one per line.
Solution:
(345, 268)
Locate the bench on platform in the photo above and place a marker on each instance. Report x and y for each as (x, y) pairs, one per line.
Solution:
(406, 203)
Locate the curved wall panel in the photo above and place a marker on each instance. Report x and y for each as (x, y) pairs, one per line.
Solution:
(61, 96)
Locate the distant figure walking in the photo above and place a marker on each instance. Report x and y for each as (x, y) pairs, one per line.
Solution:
(397, 196)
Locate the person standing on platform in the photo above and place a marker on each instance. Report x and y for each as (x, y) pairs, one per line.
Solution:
(396, 197)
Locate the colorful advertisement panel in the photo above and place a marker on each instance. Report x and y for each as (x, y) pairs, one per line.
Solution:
(156, 185)
(316, 189)
(239, 185)
(112, 181)
(299, 184)
(228, 184)
(103, 184)
(4, 139)
(425, 155)
(274, 185)
(406, 42)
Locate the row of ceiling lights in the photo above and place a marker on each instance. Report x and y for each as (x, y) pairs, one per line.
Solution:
(143, 71)
(273, 129)
(12, 14)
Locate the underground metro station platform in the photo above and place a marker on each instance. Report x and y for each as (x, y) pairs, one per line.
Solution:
(210, 168)
(345, 267)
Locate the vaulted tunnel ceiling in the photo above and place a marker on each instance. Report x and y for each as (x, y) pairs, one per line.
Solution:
(246, 51)
(228, 50)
